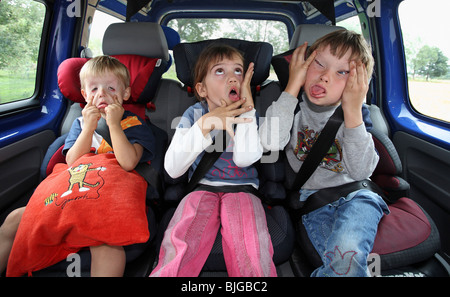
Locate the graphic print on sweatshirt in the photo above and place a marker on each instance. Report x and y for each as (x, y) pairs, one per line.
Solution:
(306, 138)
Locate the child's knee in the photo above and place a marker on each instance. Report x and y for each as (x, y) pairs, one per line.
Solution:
(11, 224)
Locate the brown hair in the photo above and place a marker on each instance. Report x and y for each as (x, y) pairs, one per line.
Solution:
(343, 40)
(212, 54)
(101, 64)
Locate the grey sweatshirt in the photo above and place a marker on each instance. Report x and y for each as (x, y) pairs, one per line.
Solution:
(352, 156)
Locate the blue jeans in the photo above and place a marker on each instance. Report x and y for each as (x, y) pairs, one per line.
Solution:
(344, 231)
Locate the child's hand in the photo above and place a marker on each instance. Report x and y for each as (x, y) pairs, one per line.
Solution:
(91, 115)
(246, 92)
(354, 93)
(223, 117)
(298, 68)
(114, 112)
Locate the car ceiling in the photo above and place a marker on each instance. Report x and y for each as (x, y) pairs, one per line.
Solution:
(313, 11)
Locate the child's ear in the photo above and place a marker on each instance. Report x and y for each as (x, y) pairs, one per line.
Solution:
(127, 94)
(201, 90)
(83, 93)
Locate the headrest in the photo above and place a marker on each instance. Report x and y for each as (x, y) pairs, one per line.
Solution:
(172, 36)
(142, 39)
(310, 33)
(186, 54)
(305, 32)
(146, 63)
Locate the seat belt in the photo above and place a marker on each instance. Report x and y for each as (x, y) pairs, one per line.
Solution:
(319, 149)
(312, 161)
(207, 161)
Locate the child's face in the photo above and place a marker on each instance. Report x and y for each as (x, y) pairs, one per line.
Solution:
(104, 90)
(222, 82)
(326, 77)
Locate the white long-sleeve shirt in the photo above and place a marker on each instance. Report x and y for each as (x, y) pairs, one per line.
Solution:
(233, 167)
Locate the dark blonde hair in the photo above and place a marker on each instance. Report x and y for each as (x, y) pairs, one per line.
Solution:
(212, 54)
(343, 40)
(102, 64)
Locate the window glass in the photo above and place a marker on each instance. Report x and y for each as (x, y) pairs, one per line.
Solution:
(352, 23)
(192, 30)
(99, 25)
(21, 24)
(427, 50)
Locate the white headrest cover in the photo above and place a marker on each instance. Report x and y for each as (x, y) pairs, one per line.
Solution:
(143, 39)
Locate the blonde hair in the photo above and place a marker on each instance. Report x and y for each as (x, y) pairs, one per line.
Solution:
(343, 40)
(102, 64)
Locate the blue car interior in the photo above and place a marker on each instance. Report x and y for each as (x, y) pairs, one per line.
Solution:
(408, 240)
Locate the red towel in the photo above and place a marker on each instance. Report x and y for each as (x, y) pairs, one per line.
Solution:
(93, 202)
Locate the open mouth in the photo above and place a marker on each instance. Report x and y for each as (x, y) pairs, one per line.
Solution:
(233, 95)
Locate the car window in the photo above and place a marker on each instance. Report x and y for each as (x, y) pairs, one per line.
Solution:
(273, 32)
(100, 23)
(192, 30)
(351, 23)
(21, 25)
(427, 50)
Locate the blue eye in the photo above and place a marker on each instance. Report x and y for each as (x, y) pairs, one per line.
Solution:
(343, 72)
(111, 89)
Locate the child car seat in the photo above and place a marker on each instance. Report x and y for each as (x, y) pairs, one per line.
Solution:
(407, 239)
(142, 47)
(279, 224)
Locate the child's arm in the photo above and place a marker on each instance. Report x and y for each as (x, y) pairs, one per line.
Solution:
(275, 131)
(127, 154)
(247, 145)
(246, 91)
(187, 143)
(354, 93)
(83, 144)
(358, 148)
(297, 69)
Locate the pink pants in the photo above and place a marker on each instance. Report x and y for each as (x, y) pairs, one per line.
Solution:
(189, 238)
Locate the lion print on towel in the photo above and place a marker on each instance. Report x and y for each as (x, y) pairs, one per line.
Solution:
(79, 176)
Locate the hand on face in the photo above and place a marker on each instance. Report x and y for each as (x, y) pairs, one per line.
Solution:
(356, 87)
(91, 115)
(246, 92)
(104, 96)
(224, 117)
(114, 112)
(101, 105)
(298, 68)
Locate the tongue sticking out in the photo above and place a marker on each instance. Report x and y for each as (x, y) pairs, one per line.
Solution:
(317, 91)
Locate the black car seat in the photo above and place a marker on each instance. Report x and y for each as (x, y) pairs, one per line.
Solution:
(407, 240)
(278, 220)
(143, 48)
